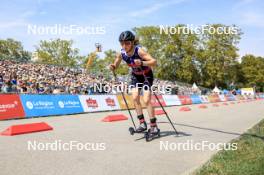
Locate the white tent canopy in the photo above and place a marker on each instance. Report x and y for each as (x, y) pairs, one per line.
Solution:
(194, 86)
(216, 90)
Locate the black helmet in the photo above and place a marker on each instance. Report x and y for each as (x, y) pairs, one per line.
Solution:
(126, 36)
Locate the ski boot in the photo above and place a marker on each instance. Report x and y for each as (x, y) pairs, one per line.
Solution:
(141, 128)
(153, 132)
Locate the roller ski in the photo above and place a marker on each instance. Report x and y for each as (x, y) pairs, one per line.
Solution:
(141, 129)
(152, 133)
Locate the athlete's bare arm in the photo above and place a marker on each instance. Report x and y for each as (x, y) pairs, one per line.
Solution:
(148, 60)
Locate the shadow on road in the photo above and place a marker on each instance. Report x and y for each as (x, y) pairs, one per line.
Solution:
(217, 130)
(165, 134)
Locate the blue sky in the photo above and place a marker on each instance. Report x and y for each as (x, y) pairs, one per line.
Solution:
(117, 16)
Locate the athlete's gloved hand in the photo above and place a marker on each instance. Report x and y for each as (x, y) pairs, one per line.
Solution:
(112, 67)
(138, 62)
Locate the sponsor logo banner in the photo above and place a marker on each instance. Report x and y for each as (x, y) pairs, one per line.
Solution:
(128, 100)
(204, 99)
(222, 97)
(11, 107)
(261, 95)
(155, 102)
(196, 99)
(185, 100)
(91, 103)
(230, 97)
(171, 100)
(44, 105)
(240, 97)
(109, 102)
(214, 98)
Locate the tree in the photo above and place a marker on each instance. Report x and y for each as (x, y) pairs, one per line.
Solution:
(100, 65)
(11, 49)
(187, 71)
(253, 71)
(58, 52)
(218, 56)
(110, 56)
(175, 52)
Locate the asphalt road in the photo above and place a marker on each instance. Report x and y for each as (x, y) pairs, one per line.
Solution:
(112, 150)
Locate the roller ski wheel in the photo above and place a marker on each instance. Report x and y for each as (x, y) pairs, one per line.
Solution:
(146, 136)
(131, 130)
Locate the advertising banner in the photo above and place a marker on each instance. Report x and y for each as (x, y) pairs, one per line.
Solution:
(214, 98)
(11, 107)
(222, 98)
(109, 102)
(171, 100)
(230, 97)
(196, 99)
(91, 103)
(122, 102)
(185, 100)
(155, 102)
(45, 105)
(204, 99)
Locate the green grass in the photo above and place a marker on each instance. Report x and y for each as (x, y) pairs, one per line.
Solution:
(248, 159)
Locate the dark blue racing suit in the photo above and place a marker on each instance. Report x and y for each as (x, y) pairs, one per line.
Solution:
(141, 75)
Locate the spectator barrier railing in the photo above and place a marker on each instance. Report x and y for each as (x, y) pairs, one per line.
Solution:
(16, 106)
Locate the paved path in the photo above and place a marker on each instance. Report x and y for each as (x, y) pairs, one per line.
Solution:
(125, 154)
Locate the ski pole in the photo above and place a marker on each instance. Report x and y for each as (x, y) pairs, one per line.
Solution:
(146, 80)
(123, 96)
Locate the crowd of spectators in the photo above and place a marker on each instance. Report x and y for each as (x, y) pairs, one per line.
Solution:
(33, 78)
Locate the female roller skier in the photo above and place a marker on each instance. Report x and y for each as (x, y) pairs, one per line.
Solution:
(142, 78)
